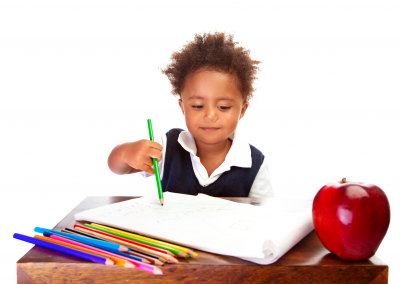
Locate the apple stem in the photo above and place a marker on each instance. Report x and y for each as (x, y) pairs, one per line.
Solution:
(344, 180)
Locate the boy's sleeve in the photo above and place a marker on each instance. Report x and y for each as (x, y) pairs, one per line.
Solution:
(262, 184)
(163, 143)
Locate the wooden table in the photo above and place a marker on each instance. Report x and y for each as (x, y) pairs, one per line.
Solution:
(307, 262)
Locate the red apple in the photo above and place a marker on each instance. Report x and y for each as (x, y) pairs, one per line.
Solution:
(351, 218)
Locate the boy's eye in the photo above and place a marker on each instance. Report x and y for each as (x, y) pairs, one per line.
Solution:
(224, 107)
(197, 107)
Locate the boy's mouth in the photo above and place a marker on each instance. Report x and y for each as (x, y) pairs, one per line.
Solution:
(209, 128)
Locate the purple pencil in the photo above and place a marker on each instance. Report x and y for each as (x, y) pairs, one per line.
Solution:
(70, 251)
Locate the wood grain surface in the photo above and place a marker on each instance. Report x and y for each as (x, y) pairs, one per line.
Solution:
(307, 262)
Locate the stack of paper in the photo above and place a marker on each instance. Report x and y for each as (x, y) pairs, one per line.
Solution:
(254, 233)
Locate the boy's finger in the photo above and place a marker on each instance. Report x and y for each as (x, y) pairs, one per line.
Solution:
(153, 153)
(148, 169)
(155, 145)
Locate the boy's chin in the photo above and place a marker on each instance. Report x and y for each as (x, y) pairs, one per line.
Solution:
(210, 139)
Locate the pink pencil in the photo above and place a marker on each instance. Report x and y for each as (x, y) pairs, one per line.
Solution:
(139, 265)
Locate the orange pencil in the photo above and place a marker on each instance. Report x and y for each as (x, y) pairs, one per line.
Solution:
(118, 261)
(167, 257)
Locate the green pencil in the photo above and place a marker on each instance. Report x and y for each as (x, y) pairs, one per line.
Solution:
(160, 192)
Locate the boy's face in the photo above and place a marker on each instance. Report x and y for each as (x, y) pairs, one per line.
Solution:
(212, 105)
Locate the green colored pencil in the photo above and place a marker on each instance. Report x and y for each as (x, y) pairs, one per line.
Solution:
(160, 192)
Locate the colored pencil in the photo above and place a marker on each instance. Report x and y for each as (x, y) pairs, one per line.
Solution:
(66, 250)
(123, 237)
(134, 257)
(118, 261)
(81, 234)
(167, 257)
(155, 163)
(85, 240)
(77, 233)
(188, 251)
(69, 230)
(139, 265)
(156, 260)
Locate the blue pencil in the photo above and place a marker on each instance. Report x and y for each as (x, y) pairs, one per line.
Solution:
(88, 241)
(66, 250)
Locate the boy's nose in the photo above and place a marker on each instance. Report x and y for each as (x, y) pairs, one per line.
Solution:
(211, 115)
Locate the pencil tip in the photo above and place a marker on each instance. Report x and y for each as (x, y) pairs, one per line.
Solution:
(195, 254)
(129, 265)
(109, 262)
(158, 271)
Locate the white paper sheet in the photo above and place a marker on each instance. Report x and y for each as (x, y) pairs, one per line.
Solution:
(258, 234)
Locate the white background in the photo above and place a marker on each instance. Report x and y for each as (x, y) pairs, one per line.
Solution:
(79, 77)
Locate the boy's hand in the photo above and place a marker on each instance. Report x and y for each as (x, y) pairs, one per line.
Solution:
(133, 157)
(139, 155)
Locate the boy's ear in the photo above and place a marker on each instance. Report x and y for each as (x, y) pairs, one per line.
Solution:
(243, 110)
(181, 106)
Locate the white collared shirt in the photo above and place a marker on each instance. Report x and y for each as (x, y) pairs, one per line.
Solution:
(239, 155)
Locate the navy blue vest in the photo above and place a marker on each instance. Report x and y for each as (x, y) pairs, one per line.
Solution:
(178, 175)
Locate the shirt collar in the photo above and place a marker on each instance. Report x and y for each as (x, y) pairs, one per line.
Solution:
(239, 154)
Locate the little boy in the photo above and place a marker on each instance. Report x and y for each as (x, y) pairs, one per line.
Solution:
(213, 79)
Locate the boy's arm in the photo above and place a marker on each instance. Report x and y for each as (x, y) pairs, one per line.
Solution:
(133, 157)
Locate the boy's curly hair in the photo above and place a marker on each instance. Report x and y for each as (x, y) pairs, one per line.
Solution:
(217, 52)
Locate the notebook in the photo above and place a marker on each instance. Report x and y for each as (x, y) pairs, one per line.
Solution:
(254, 233)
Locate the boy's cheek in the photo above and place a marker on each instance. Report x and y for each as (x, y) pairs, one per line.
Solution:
(190, 120)
(192, 115)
